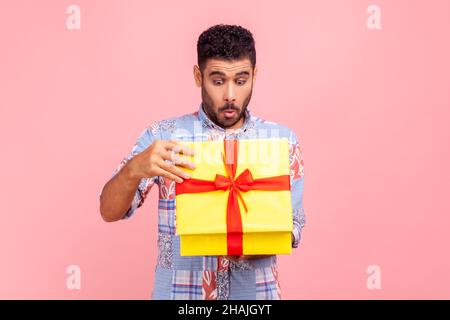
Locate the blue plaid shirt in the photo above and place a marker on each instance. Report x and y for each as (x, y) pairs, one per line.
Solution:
(212, 277)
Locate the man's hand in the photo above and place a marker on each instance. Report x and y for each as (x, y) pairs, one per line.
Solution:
(151, 162)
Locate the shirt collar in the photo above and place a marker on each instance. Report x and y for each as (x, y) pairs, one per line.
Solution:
(208, 123)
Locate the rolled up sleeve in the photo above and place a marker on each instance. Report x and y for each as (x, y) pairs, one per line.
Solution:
(145, 139)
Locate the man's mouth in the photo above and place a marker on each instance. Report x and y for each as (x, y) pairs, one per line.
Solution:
(229, 113)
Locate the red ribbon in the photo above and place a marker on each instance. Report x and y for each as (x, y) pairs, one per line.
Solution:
(243, 183)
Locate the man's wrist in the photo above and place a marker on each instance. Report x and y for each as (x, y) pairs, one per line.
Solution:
(130, 173)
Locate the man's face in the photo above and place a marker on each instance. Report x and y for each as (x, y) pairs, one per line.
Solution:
(226, 90)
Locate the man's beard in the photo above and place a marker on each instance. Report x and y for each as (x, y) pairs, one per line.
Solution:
(214, 116)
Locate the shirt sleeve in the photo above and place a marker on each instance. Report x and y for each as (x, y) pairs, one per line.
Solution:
(145, 139)
(297, 181)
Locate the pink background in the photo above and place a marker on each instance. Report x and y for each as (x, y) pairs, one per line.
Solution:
(371, 108)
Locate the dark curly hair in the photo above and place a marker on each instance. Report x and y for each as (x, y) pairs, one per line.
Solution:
(227, 42)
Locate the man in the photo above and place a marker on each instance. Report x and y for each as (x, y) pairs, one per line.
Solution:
(226, 73)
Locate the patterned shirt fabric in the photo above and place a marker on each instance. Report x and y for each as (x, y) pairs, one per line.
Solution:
(212, 277)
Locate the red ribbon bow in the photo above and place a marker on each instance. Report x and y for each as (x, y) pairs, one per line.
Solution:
(243, 183)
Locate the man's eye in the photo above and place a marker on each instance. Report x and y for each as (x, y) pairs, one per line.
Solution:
(241, 82)
(217, 82)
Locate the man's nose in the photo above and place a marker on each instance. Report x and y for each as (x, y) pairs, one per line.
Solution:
(230, 94)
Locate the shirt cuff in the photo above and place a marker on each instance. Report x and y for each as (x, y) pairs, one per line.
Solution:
(296, 236)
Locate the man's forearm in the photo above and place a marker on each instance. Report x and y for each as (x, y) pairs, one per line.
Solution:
(117, 194)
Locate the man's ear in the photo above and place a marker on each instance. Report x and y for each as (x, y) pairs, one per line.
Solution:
(197, 76)
(255, 73)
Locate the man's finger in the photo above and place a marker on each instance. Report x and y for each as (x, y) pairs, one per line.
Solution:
(174, 170)
(169, 175)
(181, 161)
(177, 160)
(176, 147)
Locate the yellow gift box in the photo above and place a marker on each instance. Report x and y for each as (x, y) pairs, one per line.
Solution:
(238, 200)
